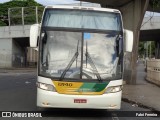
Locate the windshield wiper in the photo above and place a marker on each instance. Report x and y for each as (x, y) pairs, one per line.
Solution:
(117, 43)
(118, 36)
(70, 63)
(95, 71)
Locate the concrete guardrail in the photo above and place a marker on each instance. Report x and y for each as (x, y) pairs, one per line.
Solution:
(153, 71)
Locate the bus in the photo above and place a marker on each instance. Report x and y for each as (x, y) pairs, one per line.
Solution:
(81, 51)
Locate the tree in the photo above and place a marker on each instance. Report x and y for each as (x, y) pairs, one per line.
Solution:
(16, 3)
(155, 3)
(146, 49)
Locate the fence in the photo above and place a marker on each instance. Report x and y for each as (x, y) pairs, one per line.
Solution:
(153, 71)
(25, 15)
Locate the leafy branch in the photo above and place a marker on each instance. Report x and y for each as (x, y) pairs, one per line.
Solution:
(17, 3)
(155, 3)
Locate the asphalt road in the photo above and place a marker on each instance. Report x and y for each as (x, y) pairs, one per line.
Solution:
(18, 93)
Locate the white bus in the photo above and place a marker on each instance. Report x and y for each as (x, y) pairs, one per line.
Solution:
(81, 53)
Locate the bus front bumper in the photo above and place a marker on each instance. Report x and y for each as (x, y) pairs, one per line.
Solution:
(48, 99)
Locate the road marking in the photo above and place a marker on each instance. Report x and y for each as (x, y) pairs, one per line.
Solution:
(27, 82)
(114, 116)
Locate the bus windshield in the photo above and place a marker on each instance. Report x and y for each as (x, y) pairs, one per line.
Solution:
(82, 54)
(98, 20)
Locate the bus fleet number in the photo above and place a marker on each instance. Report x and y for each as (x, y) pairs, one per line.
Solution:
(65, 84)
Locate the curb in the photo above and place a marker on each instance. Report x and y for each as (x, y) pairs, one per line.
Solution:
(140, 105)
(151, 82)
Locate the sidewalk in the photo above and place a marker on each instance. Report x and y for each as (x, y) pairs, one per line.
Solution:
(144, 93)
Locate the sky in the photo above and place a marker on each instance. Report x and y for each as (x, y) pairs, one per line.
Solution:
(49, 2)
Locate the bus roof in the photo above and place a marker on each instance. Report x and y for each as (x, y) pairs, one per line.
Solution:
(83, 8)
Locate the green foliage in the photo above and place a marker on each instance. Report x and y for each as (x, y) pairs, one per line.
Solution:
(16, 13)
(141, 48)
(2, 23)
(144, 46)
(155, 3)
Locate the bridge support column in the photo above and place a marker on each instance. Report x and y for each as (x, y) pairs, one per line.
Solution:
(133, 14)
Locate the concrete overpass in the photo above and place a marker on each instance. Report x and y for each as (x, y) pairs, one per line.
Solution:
(14, 40)
(150, 31)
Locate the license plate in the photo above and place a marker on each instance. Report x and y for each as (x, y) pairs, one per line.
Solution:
(80, 100)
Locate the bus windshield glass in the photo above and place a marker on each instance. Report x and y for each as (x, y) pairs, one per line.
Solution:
(98, 20)
(81, 54)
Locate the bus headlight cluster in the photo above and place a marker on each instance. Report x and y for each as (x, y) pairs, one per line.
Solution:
(47, 87)
(113, 89)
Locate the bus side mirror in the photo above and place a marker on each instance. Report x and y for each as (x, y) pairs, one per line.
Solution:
(128, 40)
(34, 31)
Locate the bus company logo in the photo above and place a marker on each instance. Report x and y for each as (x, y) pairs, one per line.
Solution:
(20, 114)
(6, 114)
(65, 84)
(85, 90)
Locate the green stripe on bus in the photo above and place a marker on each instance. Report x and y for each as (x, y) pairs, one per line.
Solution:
(100, 86)
(88, 85)
(94, 87)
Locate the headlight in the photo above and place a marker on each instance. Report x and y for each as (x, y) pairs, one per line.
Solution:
(113, 89)
(46, 86)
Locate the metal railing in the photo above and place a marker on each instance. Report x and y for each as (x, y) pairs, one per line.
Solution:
(25, 15)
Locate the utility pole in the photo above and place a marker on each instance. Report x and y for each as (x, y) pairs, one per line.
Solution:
(37, 14)
(9, 19)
